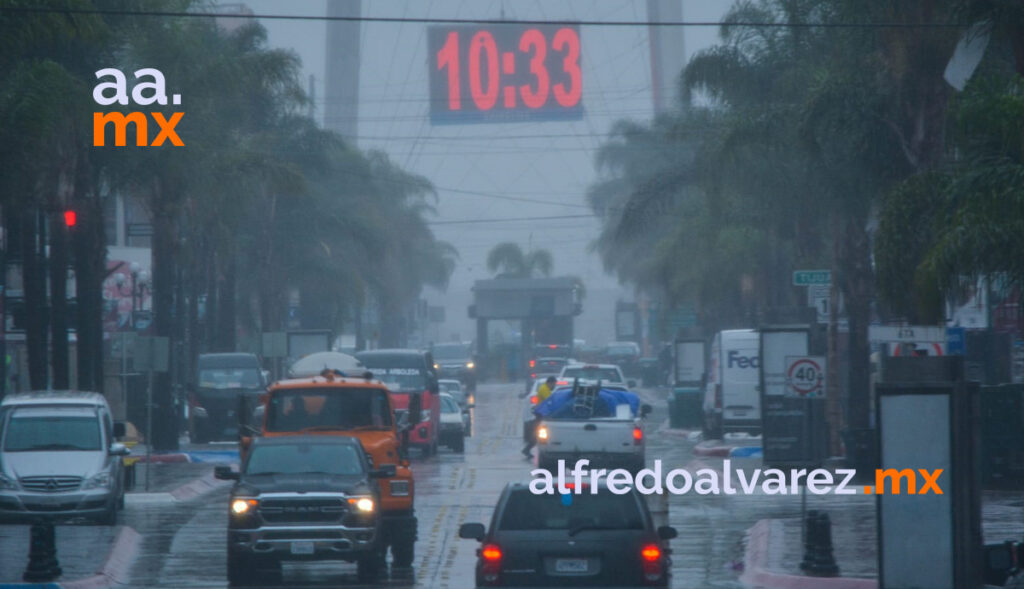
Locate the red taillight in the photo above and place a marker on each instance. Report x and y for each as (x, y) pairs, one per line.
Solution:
(533, 363)
(651, 552)
(534, 399)
(638, 435)
(552, 346)
(533, 375)
(491, 553)
(562, 382)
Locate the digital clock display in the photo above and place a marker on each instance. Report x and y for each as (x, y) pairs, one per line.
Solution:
(504, 73)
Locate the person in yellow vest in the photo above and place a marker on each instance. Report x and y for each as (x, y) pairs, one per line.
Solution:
(543, 392)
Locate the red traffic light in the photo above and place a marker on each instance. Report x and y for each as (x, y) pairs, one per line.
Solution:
(70, 218)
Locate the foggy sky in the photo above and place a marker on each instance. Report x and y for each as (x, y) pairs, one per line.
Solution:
(549, 161)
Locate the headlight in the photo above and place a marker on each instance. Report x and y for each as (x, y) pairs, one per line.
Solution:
(101, 480)
(8, 484)
(470, 365)
(399, 488)
(362, 504)
(243, 506)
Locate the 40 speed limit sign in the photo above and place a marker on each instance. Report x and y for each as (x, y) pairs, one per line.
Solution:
(805, 376)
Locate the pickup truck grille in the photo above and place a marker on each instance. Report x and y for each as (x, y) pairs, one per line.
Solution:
(56, 484)
(302, 510)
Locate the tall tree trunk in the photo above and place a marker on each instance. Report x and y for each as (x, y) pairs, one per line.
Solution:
(35, 299)
(226, 302)
(856, 280)
(165, 424)
(90, 247)
(59, 301)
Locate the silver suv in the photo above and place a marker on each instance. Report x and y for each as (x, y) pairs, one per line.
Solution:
(59, 459)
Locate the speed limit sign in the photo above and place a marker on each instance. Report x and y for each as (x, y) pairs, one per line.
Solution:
(805, 376)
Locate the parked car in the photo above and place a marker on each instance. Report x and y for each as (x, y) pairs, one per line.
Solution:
(59, 458)
(214, 400)
(732, 396)
(594, 540)
(303, 498)
(454, 424)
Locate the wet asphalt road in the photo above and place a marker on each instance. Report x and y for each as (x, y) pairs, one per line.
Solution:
(184, 542)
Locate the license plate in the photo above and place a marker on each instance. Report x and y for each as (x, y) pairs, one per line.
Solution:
(571, 565)
(302, 548)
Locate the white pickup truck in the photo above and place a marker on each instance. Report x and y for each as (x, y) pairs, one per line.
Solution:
(596, 426)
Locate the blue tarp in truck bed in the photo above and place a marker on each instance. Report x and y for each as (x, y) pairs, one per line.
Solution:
(559, 404)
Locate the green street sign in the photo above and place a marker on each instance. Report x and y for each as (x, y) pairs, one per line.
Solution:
(809, 277)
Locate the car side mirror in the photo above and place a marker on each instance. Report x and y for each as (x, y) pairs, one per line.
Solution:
(385, 471)
(645, 410)
(225, 473)
(119, 429)
(472, 532)
(667, 532)
(631, 383)
(119, 449)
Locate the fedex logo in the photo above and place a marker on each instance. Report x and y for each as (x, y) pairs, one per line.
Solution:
(738, 361)
(156, 94)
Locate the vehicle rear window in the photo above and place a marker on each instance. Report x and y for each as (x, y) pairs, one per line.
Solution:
(341, 408)
(64, 432)
(604, 374)
(229, 378)
(605, 510)
(621, 351)
(554, 365)
(335, 459)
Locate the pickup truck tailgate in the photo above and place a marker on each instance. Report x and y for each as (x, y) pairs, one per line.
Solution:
(590, 435)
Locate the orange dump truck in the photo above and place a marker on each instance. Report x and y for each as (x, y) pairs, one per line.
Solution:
(334, 404)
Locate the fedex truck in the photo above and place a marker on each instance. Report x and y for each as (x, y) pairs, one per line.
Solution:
(732, 400)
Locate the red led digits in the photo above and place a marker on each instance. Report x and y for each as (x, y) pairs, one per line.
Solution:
(535, 39)
(448, 57)
(483, 42)
(568, 39)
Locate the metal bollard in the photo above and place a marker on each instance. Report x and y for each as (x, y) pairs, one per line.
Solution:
(819, 560)
(42, 554)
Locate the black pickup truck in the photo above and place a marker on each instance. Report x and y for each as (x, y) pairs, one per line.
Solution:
(303, 498)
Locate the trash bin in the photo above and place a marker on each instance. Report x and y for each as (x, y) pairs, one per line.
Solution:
(684, 407)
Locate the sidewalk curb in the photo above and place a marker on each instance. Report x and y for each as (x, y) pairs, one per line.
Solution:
(119, 563)
(760, 540)
(197, 487)
(706, 449)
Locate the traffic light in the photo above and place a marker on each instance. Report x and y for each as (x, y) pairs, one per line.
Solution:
(70, 218)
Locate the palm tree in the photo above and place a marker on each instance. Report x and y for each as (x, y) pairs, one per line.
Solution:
(508, 260)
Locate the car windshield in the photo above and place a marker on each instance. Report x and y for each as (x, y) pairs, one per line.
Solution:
(591, 373)
(336, 459)
(451, 351)
(449, 386)
(448, 405)
(549, 365)
(229, 378)
(341, 408)
(65, 432)
(605, 510)
(621, 350)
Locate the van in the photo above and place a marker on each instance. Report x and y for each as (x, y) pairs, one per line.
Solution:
(732, 397)
(59, 458)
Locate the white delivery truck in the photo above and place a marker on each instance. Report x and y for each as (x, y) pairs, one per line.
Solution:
(732, 397)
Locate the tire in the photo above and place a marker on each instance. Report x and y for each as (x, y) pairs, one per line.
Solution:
(108, 517)
(369, 567)
(239, 570)
(460, 445)
(403, 551)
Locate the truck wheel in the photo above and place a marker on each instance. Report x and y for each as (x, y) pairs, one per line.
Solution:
(108, 517)
(403, 551)
(368, 568)
(460, 445)
(239, 570)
